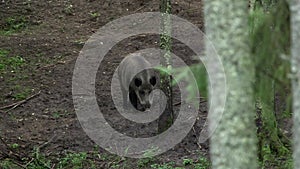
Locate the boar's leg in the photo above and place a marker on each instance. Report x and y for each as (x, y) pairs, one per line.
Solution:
(133, 99)
(125, 98)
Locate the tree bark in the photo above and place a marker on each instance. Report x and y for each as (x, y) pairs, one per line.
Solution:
(295, 70)
(233, 144)
(167, 117)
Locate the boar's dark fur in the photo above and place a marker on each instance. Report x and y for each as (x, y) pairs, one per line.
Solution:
(137, 80)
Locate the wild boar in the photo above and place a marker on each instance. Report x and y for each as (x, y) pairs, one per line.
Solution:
(137, 81)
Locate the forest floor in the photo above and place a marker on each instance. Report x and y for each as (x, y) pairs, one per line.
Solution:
(39, 44)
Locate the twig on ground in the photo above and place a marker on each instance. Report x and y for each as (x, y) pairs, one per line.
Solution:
(179, 103)
(19, 164)
(3, 154)
(38, 149)
(6, 145)
(116, 162)
(140, 8)
(14, 153)
(58, 62)
(8, 106)
(47, 142)
(17, 104)
(197, 138)
(186, 149)
(25, 166)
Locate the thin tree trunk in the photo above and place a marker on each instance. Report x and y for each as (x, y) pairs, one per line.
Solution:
(295, 51)
(167, 117)
(233, 144)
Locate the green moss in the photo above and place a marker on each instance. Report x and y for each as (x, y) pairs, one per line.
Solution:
(10, 64)
(270, 39)
(14, 24)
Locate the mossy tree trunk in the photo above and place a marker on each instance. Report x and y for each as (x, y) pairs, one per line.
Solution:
(266, 4)
(233, 144)
(295, 26)
(270, 48)
(167, 117)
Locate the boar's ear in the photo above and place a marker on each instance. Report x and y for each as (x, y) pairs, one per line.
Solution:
(153, 80)
(137, 82)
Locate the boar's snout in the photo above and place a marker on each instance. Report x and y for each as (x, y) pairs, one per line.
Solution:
(148, 105)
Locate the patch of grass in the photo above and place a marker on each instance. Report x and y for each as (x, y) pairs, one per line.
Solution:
(21, 92)
(81, 160)
(79, 42)
(144, 162)
(68, 9)
(113, 161)
(10, 63)
(187, 161)
(56, 115)
(39, 161)
(94, 16)
(21, 96)
(3, 54)
(13, 71)
(271, 161)
(14, 24)
(14, 145)
(8, 164)
(202, 163)
(73, 160)
(70, 160)
(107, 157)
(170, 165)
(148, 158)
(60, 113)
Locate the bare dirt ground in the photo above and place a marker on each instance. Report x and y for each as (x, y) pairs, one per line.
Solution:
(54, 33)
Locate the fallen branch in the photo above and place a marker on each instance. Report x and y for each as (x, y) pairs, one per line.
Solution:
(54, 64)
(25, 166)
(53, 166)
(47, 142)
(14, 153)
(17, 104)
(8, 106)
(201, 101)
(140, 8)
(198, 144)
